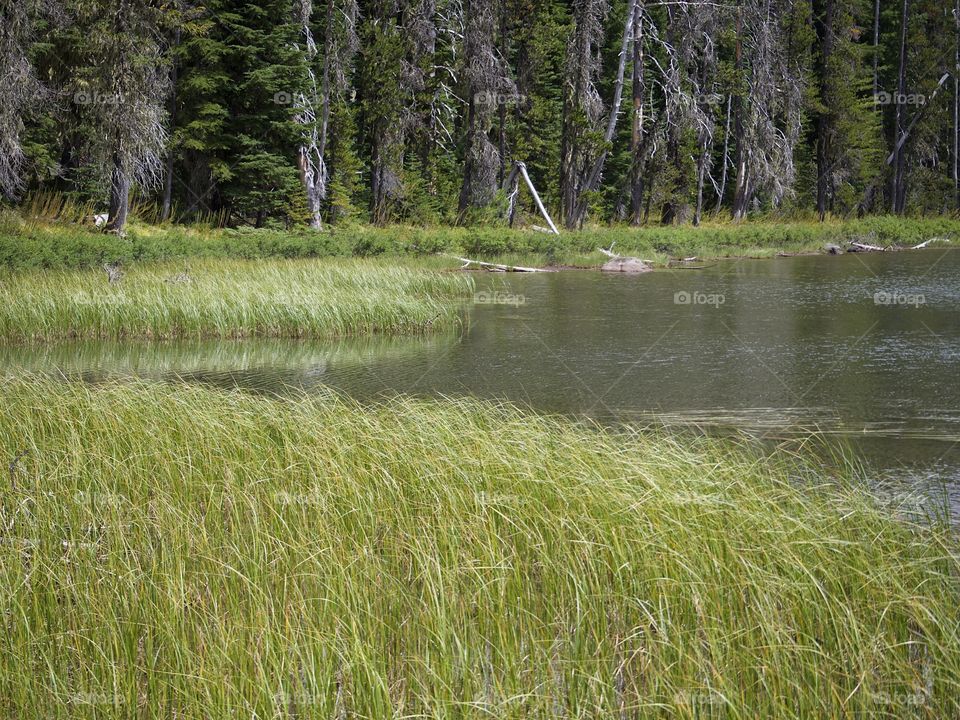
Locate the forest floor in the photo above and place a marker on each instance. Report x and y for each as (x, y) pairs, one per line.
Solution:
(191, 552)
(48, 243)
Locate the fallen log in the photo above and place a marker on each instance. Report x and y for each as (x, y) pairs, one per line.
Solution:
(927, 242)
(863, 247)
(495, 267)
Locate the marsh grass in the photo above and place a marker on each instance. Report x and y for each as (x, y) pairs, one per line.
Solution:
(169, 551)
(229, 299)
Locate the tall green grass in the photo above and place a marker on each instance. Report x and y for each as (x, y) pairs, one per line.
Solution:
(174, 552)
(229, 299)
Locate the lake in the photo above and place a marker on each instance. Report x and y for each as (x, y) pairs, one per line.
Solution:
(863, 348)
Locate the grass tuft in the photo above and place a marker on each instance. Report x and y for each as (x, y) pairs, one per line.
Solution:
(229, 299)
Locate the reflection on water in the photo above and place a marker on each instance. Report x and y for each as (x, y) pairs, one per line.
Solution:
(274, 366)
(865, 349)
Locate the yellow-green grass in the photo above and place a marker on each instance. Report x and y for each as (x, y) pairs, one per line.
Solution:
(229, 299)
(170, 551)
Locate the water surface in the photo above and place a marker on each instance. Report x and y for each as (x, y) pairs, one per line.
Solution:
(863, 348)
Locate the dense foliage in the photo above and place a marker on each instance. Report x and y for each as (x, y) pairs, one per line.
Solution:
(290, 112)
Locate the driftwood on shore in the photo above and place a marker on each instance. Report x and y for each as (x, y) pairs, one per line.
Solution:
(496, 267)
(853, 247)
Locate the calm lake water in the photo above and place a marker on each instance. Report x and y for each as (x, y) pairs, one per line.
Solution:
(862, 348)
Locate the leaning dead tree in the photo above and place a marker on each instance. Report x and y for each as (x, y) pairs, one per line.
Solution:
(512, 188)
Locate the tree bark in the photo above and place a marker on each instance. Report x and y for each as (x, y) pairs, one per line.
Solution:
(636, 138)
(167, 207)
(597, 169)
(898, 190)
(741, 199)
(823, 21)
(956, 107)
(466, 189)
(726, 157)
(876, 50)
(119, 197)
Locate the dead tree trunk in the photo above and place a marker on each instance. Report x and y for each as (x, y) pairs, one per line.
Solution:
(310, 162)
(876, 50)
(823, 22)
(636, 138)
(956, 107)
(741, 196)
(596, 169)
(167, 207)
(721, 191)
(119, 197)
(899, 190)
(701, 175)
(511, 187)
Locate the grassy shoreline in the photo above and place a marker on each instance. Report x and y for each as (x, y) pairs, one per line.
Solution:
(44, 244)
(229, 299)
(174, 550)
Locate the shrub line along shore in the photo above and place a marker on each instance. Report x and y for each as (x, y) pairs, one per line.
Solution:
(44, 244)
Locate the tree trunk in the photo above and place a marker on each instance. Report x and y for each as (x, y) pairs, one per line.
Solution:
(741, 198)
(119, 197)
(701, 176)
(823, 22)
(597, 169)
(466, 189)
(501, 105)
(876, 51)
(167, 208)
(726, 157)
(956, 108)
(636, 138)
(898, 190)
